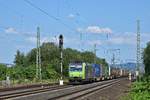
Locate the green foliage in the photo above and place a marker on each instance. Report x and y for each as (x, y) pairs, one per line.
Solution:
(31, 57)
(2, 72)
(50, 57)
(49, 73)
(29, 72)
(16, 72)
(20, 59)
(139, 90)
(147, 59)
(88, 57)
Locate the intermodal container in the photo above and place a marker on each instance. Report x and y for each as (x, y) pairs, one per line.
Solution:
(97, 70)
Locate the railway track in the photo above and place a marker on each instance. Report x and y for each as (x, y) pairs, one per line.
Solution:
(66, 92)
(28, 86)
(80, 94)
(31, 91)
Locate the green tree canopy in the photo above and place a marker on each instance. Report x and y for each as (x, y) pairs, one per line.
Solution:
(147, 59)
(50, 58)
(19, 58)
(2, 72)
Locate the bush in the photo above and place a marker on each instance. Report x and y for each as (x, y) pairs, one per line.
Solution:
(139, 90)
(3, 73)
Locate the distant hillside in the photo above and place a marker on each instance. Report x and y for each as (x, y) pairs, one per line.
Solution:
(130, 66)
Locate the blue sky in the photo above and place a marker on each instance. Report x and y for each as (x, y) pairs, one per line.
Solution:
(110, 24)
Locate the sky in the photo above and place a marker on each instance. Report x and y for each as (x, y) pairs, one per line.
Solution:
(110, 24)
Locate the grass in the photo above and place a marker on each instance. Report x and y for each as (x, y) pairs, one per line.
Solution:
(140, 90)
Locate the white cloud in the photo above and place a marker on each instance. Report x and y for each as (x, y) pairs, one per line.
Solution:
(81, 43)
(97, 42)
(31, 36)
(95, 29)
(80, 30)
(128, 38)
(68, 40)
(71, 16)
(32, 39)
(43, 39)
(125, 38)
(11, 30)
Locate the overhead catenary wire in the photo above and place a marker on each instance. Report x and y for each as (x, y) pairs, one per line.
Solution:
(49, 15)
(76, 13)
(84, 21)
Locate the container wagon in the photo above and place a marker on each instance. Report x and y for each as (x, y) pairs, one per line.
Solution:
(105, 73)
(97, 73)
(115, 72)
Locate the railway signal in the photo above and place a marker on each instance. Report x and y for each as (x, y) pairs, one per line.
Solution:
(61, 57)
(61, 41)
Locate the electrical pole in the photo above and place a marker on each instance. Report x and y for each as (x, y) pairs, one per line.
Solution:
(81, 41)
(138, 54)
(95, 53)
(40, 75)
(113, 55)
(113, 60)
(38, 56)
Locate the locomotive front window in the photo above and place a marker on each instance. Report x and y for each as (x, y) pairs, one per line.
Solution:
(75, 67)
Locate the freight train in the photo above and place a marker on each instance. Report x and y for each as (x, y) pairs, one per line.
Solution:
(81, 72)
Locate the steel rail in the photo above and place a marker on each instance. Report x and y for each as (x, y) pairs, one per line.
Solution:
(33, 91)
(83, 92)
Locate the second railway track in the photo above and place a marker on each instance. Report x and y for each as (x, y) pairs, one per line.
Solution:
(31, 91)
(66, 92)
(76, 95)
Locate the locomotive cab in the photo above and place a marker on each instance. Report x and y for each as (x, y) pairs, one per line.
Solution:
(76, 72)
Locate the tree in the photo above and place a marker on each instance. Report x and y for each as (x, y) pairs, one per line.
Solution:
(88, 57)
(146, 58)
(2, 72)
(50, 58)
(19, 59)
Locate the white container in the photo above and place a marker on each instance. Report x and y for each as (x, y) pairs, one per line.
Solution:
(61, 82)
